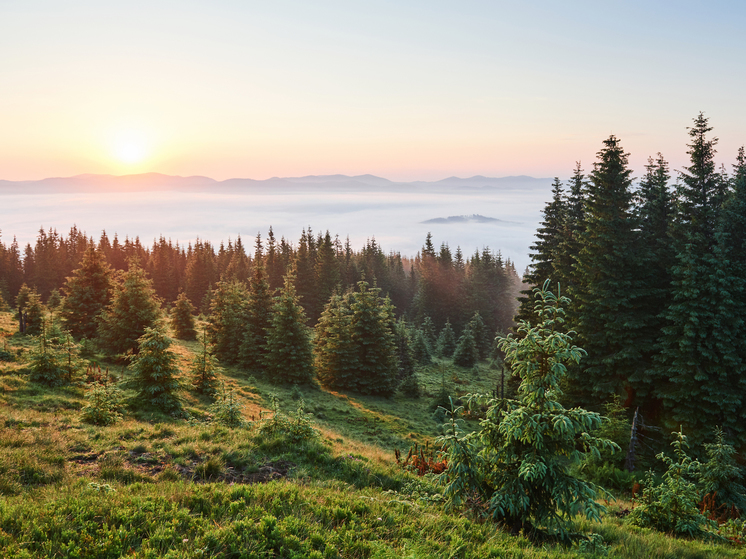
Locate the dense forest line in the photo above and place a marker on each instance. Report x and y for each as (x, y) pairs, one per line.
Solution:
(657, 276)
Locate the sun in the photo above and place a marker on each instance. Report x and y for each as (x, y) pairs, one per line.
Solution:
(130, 147)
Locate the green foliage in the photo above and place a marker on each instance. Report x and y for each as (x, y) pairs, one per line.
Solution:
(22, 298)
(466, 353)
(410, 386)
(33, 315)
(227, 321)
(205, 370)
(54, 299)
(182, 318)
(289, 356)
(355, 345)
(428, 331)
(671, 507)
(105, 402)
(404, 354)
(155, 371)
(54, 361)
(258, 316)
(133, 309)
(518, 463)
(421, 349)
(721, 475)
(227, 409)
(87, 293)
(482, 337)
(295, 427)
(446, 341)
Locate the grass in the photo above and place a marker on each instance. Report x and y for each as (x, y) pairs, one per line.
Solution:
(155, 486)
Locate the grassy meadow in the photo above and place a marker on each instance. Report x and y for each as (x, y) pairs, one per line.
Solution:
(152, 485)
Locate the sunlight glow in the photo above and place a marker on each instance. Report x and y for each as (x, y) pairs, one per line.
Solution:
(131, 147)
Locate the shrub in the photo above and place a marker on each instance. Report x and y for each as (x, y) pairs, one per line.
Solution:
(227, 410)
(296, 427)
(54, 363)
(671, 506)
(105, 402)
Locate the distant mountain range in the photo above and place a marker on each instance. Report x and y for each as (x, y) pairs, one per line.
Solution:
(474, 218)
(157, 182)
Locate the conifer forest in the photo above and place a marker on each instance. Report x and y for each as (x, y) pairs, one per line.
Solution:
(311, 399)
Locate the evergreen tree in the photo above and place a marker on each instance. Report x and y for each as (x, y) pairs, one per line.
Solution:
(205, 369)
(33, 315)
(700, 373)
(466, 353)
(355, 345)
(518, 465)
(289, 352)
(134, 307)
(155, 371)
(55, 298)
(447, 341)
(421, 349)
(428, 331)
(258, 316)
(545, 251)
(404, 352)
(565, 273)
(87, 293)
(227, 321)
(610, 325)
(182, 318)
(482, 337)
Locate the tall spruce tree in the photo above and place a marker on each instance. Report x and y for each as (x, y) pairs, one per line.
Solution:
(447, 341)
(609, 324)
(700, 374)
(155, 371)
(565, 273)
(134, 307)
(289, 356)
(182, 318)
(227, 321)
(258, 315)
(545, 251)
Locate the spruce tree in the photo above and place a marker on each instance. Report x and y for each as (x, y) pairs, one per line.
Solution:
(466, 353)
(205, 369)
(227, 320)
(518, 466)
(404, 353)
(87, 293)
(609, 324)
(258, 316)
(565, 273)
(182, 318)
(700, 373)
(421, 349)
(482, 337)
(33, 314)
(134, 307)
(428, 331)
(546, 249)
(289, 352)
(335, 354)
(447, 341)
(155, 371)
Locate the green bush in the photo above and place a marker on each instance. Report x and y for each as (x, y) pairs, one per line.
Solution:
(54, 362)
(105, 403)
(671, 506)
(295, 427)
(227, 410)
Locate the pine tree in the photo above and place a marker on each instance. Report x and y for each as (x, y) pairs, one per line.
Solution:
(258, 316)
(699, 373)
(155, 371)
(182, 318)
(482, 337)
(447, 341)
(466, 353)
(133, 308)
(289, 352)
(87, 293)
(428, 331)
(565, 273)
(33, 315)
(609, 324)
(518, 465)
(421, 349)
(205, 369)
(355, 347)
(545, 251)
(227, 321)
(404, 354)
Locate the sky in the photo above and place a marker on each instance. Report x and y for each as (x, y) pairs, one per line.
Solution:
(406, 90)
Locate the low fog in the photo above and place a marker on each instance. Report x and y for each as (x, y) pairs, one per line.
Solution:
(501, 214)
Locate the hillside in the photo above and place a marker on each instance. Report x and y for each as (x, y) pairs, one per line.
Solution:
(152, 485)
